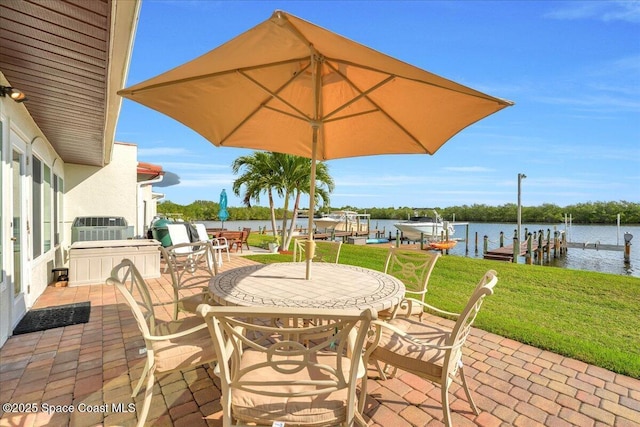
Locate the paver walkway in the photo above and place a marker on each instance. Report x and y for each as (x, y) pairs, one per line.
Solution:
(84, 375)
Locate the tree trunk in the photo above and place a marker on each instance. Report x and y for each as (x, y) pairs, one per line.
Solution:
(292, 226)
(284, 217)
(273, 214)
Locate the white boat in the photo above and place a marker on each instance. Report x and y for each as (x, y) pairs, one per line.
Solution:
(429, 228)
(343, 221)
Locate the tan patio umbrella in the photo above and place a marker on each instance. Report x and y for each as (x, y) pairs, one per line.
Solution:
(289, 86)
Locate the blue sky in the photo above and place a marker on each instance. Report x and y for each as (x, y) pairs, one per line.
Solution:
(572, 69)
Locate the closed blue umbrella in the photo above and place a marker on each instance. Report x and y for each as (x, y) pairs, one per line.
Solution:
(223, 214)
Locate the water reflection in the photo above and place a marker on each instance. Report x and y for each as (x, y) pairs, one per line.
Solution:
(595, 260)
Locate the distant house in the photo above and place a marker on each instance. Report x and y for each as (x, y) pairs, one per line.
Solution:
(58, 156)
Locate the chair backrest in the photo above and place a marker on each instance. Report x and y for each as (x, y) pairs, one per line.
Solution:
(462, 328)
(325, 251)
(178, 235)
(246, 236)
(412, 267)
(202, 232)
(129, 282)
(276, 352)
(189, 257)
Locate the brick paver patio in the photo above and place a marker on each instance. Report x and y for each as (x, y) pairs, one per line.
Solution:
(83, 375)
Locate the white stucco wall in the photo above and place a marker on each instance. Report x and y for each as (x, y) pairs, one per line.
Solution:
(108, 191)
(147, 208)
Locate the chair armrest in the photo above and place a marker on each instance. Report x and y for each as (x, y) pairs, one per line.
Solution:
(380, 324)
(362, 357)
(205, 293)
(177, 246)
(177, 334)
(220, 243)
(172, 249)
(411, 291)
(411, 301)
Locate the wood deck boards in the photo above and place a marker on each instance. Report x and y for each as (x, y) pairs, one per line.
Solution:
(506, 253)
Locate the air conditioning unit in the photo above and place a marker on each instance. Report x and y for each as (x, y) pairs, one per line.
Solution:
(93, 228)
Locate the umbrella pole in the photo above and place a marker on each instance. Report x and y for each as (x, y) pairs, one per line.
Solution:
(312, 200)
(315, 125)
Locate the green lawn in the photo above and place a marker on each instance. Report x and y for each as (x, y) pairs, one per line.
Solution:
(593, 317)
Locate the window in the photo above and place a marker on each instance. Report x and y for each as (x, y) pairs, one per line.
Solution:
(37, 208)
(58, 190)
(46, 198)
(43, 211)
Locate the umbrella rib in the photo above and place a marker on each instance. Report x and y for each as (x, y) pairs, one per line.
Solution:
(402, 129)
(361, 113)
(469, 91)
(275, 94)
(263, 104)
(209, 75)
(286, 113)
(365, 94)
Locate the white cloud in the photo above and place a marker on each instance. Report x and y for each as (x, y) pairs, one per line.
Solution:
(607, 11)
(628, 11)
(593, 102)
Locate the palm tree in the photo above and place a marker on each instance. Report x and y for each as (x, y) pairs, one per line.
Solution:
(259, 176)
(282, 174)
(296, 172)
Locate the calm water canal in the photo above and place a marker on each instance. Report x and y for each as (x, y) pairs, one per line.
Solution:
(605, 261)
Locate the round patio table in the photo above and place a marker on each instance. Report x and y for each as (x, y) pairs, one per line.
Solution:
(284, 285)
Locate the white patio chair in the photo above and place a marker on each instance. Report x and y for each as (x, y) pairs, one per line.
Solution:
(430, 350)
(187, 254)
(170, 346)
(178, 235)
(275, 367)
(217, 244)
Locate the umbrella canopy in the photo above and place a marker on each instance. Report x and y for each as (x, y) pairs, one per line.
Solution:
(289, 86)
(223, 214)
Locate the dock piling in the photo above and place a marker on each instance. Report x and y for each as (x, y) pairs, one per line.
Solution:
(540, 251)
(627, 247)
(540, 247)
(529, 258)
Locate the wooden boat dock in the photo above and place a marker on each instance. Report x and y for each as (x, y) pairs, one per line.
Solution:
(506, 253)
(336, 235)
(536, 246)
